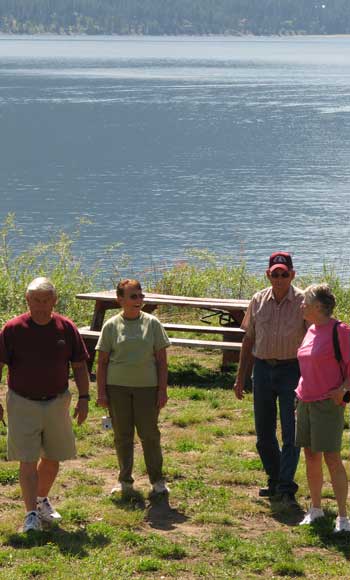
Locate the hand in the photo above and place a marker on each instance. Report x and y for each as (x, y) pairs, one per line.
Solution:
(102, 401)
(337, 395)
(81, 410)
(238, 388)
(162, 398)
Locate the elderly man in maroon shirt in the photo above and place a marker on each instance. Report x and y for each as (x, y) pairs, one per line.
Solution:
(38, 347)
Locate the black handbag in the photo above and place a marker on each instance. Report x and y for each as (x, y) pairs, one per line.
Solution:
(338, 356)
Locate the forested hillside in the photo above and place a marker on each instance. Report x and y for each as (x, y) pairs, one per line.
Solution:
(175, 16)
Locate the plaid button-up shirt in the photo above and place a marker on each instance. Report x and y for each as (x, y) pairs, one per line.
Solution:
(276, 329)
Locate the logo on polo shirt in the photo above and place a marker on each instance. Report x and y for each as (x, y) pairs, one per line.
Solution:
(61, 343)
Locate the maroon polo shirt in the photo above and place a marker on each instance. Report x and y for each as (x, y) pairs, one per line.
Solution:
(38, 356)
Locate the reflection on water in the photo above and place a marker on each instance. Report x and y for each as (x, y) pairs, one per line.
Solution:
(236, 145)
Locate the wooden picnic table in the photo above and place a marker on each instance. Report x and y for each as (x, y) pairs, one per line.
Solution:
(231, 312)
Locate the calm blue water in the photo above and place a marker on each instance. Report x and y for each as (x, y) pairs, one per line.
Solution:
(241, 146)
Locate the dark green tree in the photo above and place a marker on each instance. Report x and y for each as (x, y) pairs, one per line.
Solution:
(176, 16)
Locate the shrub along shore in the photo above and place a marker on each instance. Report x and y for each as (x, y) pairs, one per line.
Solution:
(202, 274)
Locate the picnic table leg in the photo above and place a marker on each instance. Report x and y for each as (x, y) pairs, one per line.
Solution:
(231, 356)
(90, 344)
(99, 314)
(96, 324)
(228, 357)
(149, 308)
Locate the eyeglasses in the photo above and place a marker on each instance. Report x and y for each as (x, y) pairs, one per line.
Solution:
(136, 296)
(277, 275)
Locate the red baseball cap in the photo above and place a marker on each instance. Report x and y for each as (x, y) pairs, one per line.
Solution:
(281, 260)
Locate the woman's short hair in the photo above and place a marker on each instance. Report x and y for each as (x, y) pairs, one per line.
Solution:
(41, 284)
(127, 282)
(322, 294)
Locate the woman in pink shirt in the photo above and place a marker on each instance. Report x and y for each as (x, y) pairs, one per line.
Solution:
(320, 411)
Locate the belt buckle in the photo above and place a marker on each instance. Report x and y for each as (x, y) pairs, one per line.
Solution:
(273, 362)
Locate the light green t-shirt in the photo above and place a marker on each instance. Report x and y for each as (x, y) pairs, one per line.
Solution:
(131, 345)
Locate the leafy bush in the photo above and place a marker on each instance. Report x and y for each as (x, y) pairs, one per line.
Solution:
(54, 259)
(203, 274)
(208, 275)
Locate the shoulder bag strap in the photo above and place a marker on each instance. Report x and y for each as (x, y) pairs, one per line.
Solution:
(338, 356)
(336, 346)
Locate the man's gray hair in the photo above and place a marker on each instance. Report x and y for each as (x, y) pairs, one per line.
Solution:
(41, 284)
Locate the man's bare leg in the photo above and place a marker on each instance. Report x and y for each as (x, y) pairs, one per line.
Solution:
(47, 473)
(28, 479)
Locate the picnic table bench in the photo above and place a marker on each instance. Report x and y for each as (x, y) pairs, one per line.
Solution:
(230, 312)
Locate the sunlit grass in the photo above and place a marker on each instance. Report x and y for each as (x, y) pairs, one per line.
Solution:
(218, 527)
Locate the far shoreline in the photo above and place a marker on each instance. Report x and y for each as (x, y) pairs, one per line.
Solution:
(135, 36)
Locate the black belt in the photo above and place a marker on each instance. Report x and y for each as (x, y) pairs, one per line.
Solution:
(49, 398)
(275, 362)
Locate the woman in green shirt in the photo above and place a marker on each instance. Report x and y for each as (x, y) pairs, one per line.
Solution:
(132, 376)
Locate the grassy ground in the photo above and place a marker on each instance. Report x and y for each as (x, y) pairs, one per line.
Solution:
(215, 526)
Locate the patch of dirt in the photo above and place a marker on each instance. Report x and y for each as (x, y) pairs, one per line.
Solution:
(256, 525)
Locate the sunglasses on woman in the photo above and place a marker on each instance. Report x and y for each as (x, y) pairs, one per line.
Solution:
(137, 296)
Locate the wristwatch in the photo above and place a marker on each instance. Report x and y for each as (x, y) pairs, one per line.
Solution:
(87, 397)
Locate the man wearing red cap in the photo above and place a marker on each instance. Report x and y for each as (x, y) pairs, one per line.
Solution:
(274, 328)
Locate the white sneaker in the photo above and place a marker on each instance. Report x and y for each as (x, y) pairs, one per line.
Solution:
(342, 524)
(123, 487)
(160, 487)
(47, 512)
(32, 521)
(312, 515)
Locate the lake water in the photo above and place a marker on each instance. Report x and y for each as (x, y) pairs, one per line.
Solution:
(238, 145)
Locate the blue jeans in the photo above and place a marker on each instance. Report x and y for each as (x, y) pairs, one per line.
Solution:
(272, 384)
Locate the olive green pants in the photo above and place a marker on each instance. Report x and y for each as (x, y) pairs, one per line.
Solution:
(132, 407)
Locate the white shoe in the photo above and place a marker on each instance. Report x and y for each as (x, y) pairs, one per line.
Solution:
(312, 515)
(123, 487)
(160, 487)
(32, 521)
(342, 524)
(47, 512)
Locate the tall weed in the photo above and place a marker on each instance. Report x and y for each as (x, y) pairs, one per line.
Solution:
(54, 259)
(203, 274)
(208, 275)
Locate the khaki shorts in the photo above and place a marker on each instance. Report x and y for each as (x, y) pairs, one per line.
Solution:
(39, 428)
(320, 426)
